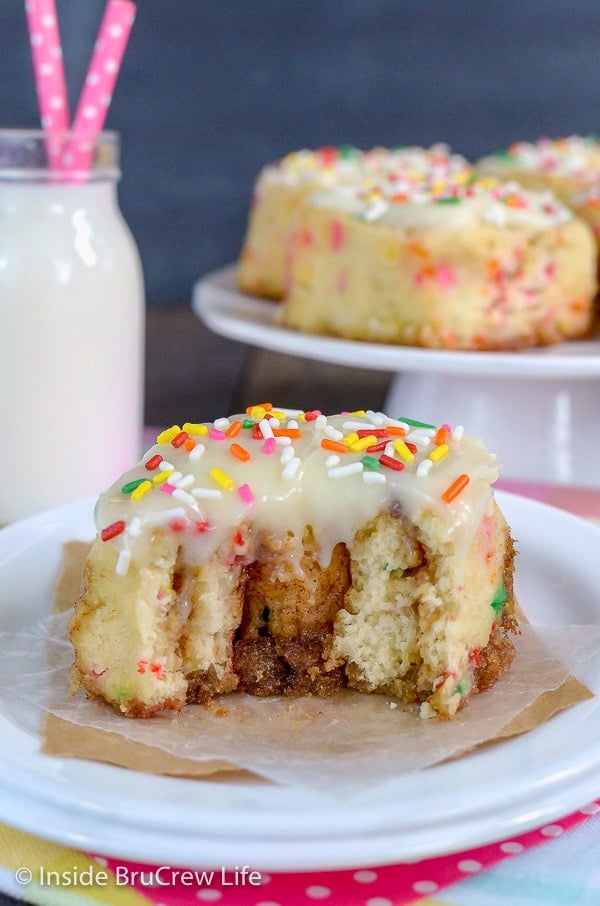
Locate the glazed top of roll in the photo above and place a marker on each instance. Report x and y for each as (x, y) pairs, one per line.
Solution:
(281, 470)
(336, 166)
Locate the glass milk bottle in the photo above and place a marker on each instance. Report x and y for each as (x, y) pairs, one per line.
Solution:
(71, 327)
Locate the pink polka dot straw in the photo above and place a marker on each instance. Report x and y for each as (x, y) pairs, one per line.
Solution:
(98, 87)
(99, 82)
(49, 71)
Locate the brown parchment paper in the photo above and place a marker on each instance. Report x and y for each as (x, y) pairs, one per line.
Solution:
(351, 738)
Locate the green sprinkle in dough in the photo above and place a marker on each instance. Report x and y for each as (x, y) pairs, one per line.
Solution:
(447, 201)
(460, 689)
(390, 569)
(499, 599)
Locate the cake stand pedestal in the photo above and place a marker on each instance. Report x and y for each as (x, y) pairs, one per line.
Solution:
(541, 429)
(538, 410)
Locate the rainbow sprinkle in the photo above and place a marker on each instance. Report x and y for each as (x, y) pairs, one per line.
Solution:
(220, 478)
(360, 445)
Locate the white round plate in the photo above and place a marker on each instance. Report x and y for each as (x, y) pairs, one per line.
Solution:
(247, 319)
(487, 796)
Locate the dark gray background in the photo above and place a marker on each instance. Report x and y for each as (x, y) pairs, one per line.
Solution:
(212, 89)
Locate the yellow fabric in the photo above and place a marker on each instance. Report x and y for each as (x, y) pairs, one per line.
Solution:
(21, 850)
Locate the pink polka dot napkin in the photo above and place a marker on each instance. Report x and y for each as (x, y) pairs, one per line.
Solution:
(389, 885)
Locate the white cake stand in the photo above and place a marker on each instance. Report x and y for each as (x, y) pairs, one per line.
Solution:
(539, 410)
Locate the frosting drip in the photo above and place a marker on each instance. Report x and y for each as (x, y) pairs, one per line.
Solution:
(279, 471)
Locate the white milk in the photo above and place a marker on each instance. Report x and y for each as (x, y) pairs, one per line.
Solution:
(71, 340)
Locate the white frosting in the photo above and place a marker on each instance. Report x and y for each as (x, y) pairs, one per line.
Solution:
(298, 483)
(504, 205)
(576, 157)
(333, 166)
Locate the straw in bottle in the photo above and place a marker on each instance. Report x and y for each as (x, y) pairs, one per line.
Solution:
(74, 160)
(49, 71)
(100, 80)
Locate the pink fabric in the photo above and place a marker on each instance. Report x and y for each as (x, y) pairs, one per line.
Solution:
(389, 885)
(535, 490)
(580, 501)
